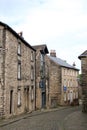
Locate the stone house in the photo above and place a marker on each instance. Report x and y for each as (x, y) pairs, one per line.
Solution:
(83, 58)
(17, 73)
(62, 81)
(41, 51)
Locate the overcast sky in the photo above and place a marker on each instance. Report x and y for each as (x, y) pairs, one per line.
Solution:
(60, 24)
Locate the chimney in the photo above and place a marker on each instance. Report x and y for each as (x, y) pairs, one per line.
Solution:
(53, 53)
(74, 64)
(20, 34)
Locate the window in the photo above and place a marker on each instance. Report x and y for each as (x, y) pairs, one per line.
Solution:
(32, 73)
(73, 95)
(42, 59)
(42, 84)
(19, 97)
(32, 93)
(76, 95)
(19, 48)
(64, 82)
(68, 82)
(64, 96)
(68, 96)
(19, 70)
(71, 83)
(32, 56)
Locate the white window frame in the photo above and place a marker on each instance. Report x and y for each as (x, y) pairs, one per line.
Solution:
(32, 56)
(19, 97)
(68, 96)
(19, 70)
(32, 73)
(76, 95)
(42, 59)
(65, 98)
(19, 48)
(32, 93)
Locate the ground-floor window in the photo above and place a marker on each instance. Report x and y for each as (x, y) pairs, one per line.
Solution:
(19, 96)
(76, 95)
(68, 96)
(65, 97)
(32, 93)
(11, 101)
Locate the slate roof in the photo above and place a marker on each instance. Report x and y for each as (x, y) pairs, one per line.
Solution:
(83, 55)
(62, 63)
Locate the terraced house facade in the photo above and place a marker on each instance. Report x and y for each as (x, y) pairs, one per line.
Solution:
(83, 58)
(62, 81)
(17, 73)
(41, 80)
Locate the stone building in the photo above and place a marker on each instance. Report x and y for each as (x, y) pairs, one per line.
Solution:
(41, 51)
(83, 58)
(17, 73)
(62, 81)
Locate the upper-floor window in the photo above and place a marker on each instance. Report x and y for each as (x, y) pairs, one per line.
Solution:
(32, 73)
(32, 56)
(19, 70)
(19, 48)
(65, 81)
(42, 59)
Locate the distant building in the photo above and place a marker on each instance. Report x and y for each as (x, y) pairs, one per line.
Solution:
(41, 51)
(83, 58)
(62, 81)
(17, 73)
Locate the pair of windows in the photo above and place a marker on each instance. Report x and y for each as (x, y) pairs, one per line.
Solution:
(19, 62)
(19, 95)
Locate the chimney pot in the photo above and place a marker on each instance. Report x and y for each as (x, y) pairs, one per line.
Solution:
(74, 64)
(20, 34)
(53, 53)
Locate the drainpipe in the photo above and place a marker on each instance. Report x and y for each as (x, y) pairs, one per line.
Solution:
(35, 80)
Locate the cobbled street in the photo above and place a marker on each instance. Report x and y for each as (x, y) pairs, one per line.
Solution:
(52, 120)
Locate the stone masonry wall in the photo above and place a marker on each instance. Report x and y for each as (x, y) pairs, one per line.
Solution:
(1, 72)
(11, 83)
(54, 83)
(38, 89)
(84, 83)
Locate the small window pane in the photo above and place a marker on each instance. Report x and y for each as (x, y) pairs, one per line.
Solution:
(19, 48)
(19, 97)
(19, 71)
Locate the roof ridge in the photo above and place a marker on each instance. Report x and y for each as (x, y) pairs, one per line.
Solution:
(61, 62)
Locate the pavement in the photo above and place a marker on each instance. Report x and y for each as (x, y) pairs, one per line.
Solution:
(75, 121)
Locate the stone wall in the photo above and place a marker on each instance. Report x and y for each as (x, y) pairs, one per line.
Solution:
(54, 83)
(84, 83)
(56, 78)
(11, 82)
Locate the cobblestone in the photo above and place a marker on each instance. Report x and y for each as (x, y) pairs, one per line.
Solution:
(57, 119)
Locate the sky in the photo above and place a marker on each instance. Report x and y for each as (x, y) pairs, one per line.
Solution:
(60, 24)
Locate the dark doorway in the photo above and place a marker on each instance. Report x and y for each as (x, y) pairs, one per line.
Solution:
(43, 99)
(11, 100)
(26, 95)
